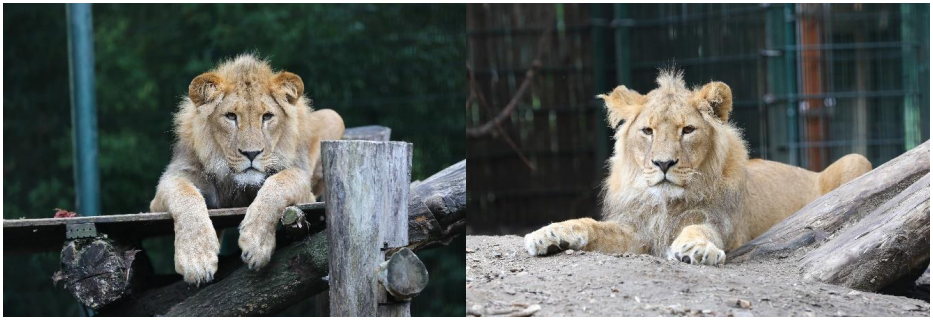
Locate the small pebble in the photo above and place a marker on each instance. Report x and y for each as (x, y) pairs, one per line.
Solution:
(569, 251)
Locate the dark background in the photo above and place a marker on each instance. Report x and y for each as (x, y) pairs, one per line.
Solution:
(399, 66)
(810, 83)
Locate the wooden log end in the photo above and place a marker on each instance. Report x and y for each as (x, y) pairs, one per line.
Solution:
(404, 275)
(95, 271)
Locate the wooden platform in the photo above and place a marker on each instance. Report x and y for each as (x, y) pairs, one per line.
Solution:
(31, 235)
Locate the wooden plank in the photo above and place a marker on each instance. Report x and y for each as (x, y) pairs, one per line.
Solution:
(367, 185)
(48, 234)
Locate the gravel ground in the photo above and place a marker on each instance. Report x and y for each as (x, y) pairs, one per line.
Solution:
(502, 279)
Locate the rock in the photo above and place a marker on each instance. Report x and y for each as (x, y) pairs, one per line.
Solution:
(516, 269)
(476, 310)
(469, 250)
(569, 251)
(739, 303)
(527, 312)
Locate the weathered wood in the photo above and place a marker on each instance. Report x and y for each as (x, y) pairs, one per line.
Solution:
(889, 243)
(368, 133)
(31, 235)
(404, 275)
(843, 207)
(296, 271)
(95, 271)
(438, 207)
(366, 192)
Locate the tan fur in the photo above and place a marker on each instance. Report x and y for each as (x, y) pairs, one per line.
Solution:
(712, 197)
(238, 110)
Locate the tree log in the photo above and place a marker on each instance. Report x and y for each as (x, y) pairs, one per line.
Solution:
(843, 207)
(891, 242)
(296, 271)
(366, 195)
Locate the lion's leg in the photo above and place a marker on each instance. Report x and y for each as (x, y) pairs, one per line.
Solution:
(580, 234)
(843, 170)
(698, 244)
(257, 231)
(196, 243)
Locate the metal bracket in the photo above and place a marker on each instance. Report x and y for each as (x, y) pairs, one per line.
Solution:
(80, 230)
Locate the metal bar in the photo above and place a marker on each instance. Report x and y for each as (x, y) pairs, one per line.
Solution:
(698, 61)
(847, 95)
(83, 107)
(911, 81)
(850, 46)
(601, 84)
(842, 143)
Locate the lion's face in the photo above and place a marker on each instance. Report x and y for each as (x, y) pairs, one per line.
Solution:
(246, 128)
(249, 115)
(666, 136)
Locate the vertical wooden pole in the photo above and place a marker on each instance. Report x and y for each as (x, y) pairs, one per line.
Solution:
(368, 133)
(366, 199)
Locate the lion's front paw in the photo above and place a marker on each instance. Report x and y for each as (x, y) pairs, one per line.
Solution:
(554, 238)
(196, 249)
(257, 240)
(696, 251)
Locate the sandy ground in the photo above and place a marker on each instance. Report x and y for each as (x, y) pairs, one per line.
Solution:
(503, 279)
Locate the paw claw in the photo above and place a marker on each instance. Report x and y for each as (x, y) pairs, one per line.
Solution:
(697, 252)
(552, 239)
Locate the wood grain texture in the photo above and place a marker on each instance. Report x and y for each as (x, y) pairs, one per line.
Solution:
(296, 271)
(891, 242)
(845, 206)
(32, 235)
(366, 197)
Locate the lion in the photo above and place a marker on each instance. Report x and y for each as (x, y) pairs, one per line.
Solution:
(246, 136)
(681, 184)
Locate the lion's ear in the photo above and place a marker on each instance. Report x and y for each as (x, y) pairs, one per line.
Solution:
(622, 104)
(205, 88)
(290, 84)
(715, 98)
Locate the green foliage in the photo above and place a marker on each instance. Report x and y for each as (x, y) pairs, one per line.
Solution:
(399, 66)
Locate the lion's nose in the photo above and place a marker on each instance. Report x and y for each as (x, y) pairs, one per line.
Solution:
(665, 164)
(250, 154)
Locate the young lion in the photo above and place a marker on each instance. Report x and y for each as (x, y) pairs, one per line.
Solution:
(680, 181)
(246, 137)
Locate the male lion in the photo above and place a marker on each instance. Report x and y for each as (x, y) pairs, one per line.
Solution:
(680, 181)
(246, 137)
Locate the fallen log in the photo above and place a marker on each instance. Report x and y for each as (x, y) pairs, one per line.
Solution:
(843, 207)
(299, 270)
(889, 243)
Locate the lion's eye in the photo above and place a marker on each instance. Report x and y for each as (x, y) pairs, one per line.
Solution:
(267, 116)
(647, 131)
(231, 116)
(688, 129)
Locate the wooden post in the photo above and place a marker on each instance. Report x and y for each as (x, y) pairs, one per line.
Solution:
(366, 199)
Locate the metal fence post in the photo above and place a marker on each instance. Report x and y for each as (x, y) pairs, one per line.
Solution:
(83, 107)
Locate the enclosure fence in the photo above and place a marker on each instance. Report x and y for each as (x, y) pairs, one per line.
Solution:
(811, 83)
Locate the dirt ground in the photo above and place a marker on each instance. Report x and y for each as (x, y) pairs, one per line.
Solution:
(502, 279)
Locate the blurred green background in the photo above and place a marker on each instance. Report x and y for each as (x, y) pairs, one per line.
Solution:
(399, 66)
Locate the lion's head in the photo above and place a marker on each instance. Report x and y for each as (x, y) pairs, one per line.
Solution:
(671, 140)
(241, 119)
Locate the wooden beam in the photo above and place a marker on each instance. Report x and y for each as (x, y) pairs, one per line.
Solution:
(31, 235)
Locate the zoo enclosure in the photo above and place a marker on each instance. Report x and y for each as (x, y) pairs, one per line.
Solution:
(811, 83)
